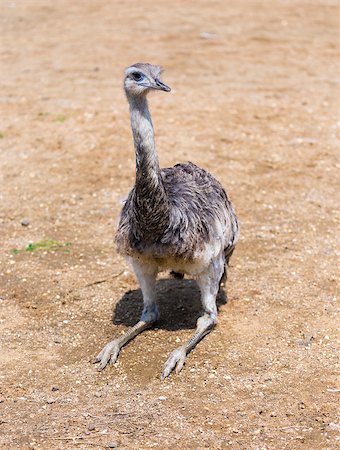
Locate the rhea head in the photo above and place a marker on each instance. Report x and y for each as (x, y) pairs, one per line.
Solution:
(140, 78)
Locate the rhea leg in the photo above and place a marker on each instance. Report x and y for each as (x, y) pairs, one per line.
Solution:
(208, 283)
(146, 275)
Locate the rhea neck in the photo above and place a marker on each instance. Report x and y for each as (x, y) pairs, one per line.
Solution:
(147, 164)
(150, 202)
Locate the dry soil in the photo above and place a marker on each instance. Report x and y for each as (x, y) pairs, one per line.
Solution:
(255, 100)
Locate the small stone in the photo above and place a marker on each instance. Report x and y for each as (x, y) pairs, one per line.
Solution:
(303, 140)
(207, 35)
(112, 445)
(25, 222)
(91, 427)
(50, 400)
(57, 340)
(162, 397)
(54, 389)
(98, 394)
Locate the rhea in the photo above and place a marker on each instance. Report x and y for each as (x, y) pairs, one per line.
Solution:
(178, 219)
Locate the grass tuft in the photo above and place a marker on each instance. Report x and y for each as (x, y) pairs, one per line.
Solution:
(46, 245)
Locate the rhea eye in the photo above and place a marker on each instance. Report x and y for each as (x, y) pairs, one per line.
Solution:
(137, 76)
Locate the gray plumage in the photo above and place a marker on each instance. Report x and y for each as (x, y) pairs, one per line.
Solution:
(177, 218)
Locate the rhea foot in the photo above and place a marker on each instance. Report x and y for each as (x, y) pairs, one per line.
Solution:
(111, 350)
(109, 353)
(176, 359)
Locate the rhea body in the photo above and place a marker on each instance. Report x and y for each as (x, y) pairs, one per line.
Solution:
(177, 218)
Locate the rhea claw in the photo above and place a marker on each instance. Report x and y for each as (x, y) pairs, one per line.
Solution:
(176, 359)
(109, 354)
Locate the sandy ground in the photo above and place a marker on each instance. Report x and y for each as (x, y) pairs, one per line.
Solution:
(255, 100)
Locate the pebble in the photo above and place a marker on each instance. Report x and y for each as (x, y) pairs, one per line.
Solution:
(91, 427)
(207, 35)
(303, 140)
(25, 222)
(112, 445)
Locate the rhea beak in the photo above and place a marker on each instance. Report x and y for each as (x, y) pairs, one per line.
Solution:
(161, 86)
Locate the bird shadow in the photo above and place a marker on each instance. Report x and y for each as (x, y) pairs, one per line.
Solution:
(178, 302)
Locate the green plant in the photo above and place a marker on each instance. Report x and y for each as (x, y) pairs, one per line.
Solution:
(46, 245)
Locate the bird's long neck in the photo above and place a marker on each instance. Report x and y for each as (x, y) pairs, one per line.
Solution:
(147, 165)
(150, 202)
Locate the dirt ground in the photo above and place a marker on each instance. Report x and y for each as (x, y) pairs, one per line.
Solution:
(255, 100)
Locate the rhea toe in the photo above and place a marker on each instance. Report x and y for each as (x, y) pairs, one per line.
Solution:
(178, 219)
